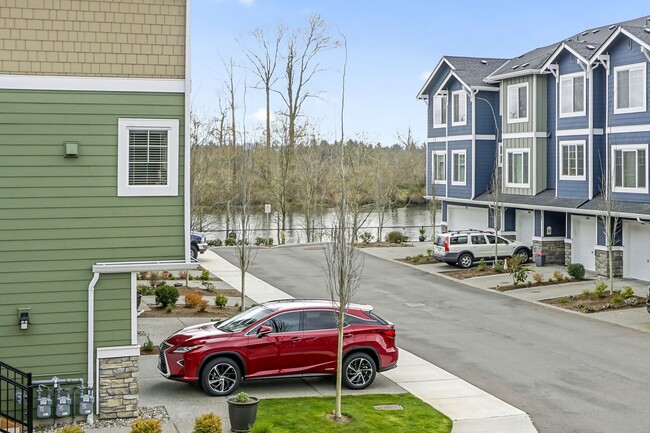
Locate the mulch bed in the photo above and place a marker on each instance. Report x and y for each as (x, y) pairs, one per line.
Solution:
(463, 274)
(212, 312)
(526, 285)
(183, 290)
(381, 244)
(591, 303)
(425, 260)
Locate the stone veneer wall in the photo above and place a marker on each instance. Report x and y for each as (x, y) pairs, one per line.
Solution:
(118, 387)
(602, 263)
(567, 253)
(554, 251)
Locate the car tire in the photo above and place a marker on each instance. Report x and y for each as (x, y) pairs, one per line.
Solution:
(451, 264)
(359, 371)
(195, 252)
(465, 260)
(524, 254)
(220, 377)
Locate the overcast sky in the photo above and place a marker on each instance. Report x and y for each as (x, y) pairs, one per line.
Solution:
(392, 47)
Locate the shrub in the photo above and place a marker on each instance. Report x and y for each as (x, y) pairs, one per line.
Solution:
(264, 241)
(396, 237)
(166, 295)
(145, 290)
(608, 306)
(203, 304)
(564, 301)
(600, 289)
(148, 345)
(169, 308)
(558, 276)
(498, 266)
(576, 271)
(631, 302)
(242, 397)
(166, 275)
(182, 275)
(617, 298)
(416, 258)
(154, 279)
(220, 301)
(146, 426)
(205, 275)
(208, 423)
(215, 243)
(143, 275)
(207, 285)
(518, 272)
(230, 242)
(193, 300)
(538, 278)
(589, 309)
(586, 292)
(429, 252)
(482, 266)
(70, 429)
(366, 237)
(628, 292)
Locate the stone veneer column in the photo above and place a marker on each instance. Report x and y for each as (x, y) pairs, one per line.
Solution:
(118, 387)
(553, 250)
(567, 253)
(602, 262)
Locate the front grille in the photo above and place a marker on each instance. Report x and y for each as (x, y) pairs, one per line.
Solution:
(162, 361)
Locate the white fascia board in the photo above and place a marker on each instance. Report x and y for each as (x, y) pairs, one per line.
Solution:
(485, 88)
(421, 93)
(572, 132)
(557, 52)
(91, 84)
(606, 44)
(520, 73)
(451, 74)
(125, 267)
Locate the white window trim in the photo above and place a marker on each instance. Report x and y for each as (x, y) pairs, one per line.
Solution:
(123, 187)
(625, 147)
(584, 95)
(500, 155)
(463, 95)
(584, 159)
(436, 101)
(520, 119)
(453, 168)
(433, 166)
(517, 185)
(645, 85)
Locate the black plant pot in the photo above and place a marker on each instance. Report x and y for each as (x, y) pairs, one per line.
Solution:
(242, 415)
(421, 238)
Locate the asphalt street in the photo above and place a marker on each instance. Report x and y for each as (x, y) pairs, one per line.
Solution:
(570, 373)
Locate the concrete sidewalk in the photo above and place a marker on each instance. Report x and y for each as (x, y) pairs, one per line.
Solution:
(471, 409)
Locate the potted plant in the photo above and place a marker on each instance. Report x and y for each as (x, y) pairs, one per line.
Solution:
(422, 232)
(540, 259)
(242, 410)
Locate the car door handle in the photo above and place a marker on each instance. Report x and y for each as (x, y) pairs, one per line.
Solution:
(347, 335)
(294, 339)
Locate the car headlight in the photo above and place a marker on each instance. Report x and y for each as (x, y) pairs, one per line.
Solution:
(184, 349)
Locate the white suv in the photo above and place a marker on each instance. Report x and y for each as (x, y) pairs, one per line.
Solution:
(464, 247)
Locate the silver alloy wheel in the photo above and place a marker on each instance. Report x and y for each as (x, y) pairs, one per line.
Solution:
(524, 255)
(465, 261)
(222, 378)
(359, 371)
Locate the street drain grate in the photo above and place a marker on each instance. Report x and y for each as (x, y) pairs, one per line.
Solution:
(389, 407)
(415, 304)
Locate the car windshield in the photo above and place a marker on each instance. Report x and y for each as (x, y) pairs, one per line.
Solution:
(242, 320)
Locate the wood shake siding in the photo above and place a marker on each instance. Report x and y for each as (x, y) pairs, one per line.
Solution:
(117, 38)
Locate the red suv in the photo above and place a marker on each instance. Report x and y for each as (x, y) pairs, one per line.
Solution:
(288, 338)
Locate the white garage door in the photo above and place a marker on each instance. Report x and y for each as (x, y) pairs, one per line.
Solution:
(466, 217)
(583, 240)
(636, 254)
(525, 226)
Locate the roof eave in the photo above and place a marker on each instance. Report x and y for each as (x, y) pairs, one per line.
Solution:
(421, 93)
(496, 78)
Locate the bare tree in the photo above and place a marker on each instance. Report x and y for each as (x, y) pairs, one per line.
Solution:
(202, 188)
(611, 221)
(385, 187)
(497, 207)
(312, 171)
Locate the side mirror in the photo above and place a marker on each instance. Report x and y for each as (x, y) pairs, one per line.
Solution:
(263, 330)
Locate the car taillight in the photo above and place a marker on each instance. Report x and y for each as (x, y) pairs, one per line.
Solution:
(389, 332)
(446, 244)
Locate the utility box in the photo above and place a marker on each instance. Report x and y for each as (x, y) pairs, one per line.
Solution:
(44, 408)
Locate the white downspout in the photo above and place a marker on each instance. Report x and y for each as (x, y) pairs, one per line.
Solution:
(555, 70)
(187, 145)
(591, 131)
(533, 113)
(91, 335)
(473, 102)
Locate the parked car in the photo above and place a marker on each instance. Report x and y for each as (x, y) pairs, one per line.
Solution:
(198, 244)
(465, 247)
(286, 338)
(647, 302)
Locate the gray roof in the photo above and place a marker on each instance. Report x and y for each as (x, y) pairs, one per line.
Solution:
(584, 43)
(545, 198)
(626, 207)
(474, 70)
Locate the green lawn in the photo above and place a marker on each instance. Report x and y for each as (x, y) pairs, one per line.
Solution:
(307, 415)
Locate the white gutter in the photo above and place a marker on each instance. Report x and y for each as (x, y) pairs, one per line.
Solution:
(473, 101)
(534, 114)
(555, 70)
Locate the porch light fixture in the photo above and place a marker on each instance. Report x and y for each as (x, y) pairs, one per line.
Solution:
(24, 319)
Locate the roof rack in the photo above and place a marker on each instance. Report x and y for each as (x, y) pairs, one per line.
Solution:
(470, 230)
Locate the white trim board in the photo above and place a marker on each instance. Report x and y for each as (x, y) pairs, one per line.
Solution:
(604, 248)
(460, 138)
(525, 135)
(91, 84)
(118, 351)
(570, 132)
(629, 128)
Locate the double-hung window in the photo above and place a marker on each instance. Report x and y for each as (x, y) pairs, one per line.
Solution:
(440, 111)
(517, 168)
(147, 157)
(572, 95)
(630, 167)
(518, 103)
(572, 160)
(459, 108)
(438, 166)
(630, 88)
(458, 167)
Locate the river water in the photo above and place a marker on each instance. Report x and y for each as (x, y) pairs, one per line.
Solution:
(407, 220)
